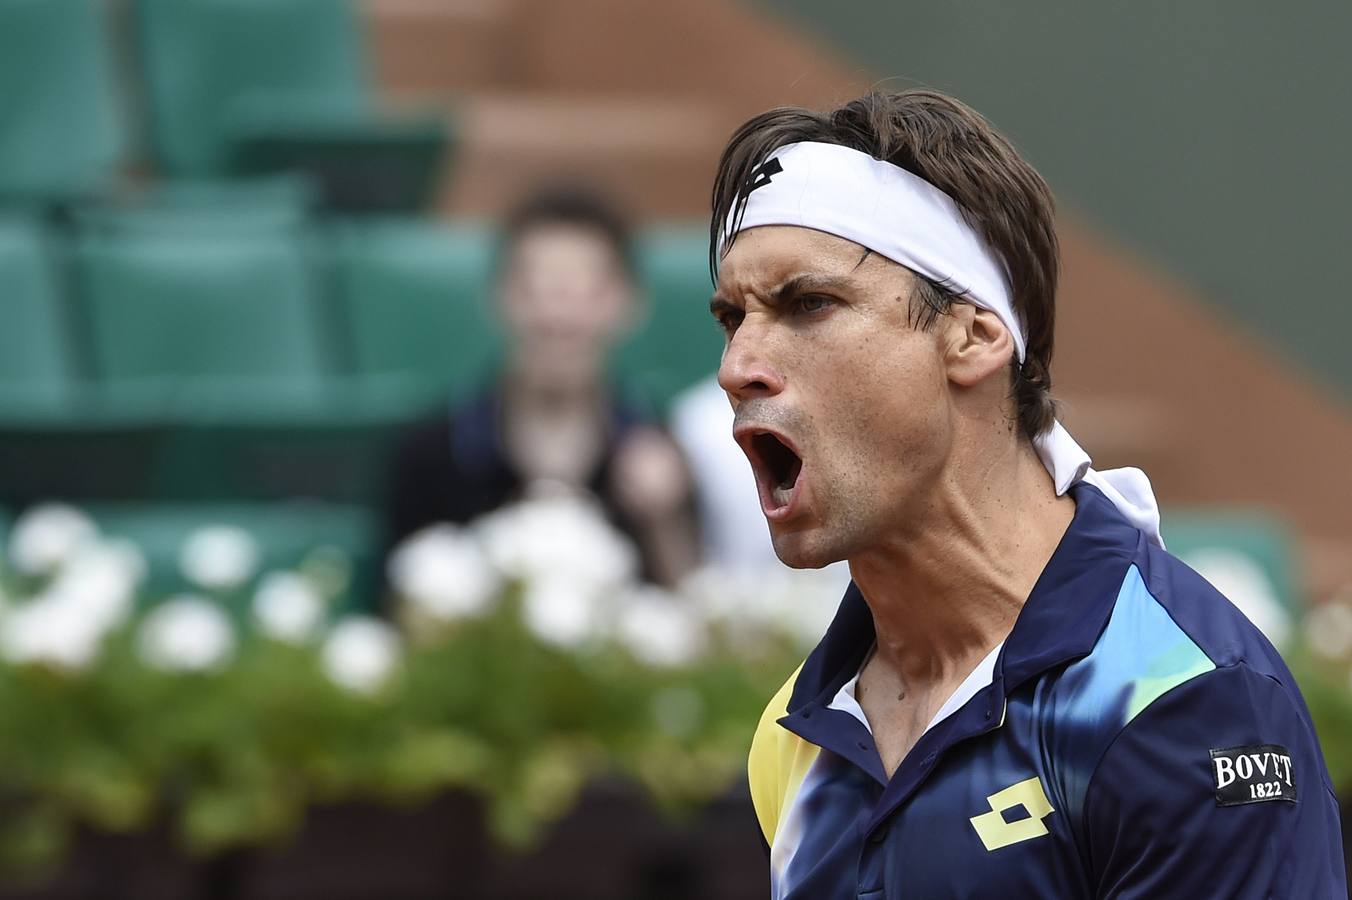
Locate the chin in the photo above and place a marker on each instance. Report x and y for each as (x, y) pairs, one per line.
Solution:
(804, 550)
(564, 379)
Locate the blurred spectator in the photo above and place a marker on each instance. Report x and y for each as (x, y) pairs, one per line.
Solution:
(733, 527)
(549, 419)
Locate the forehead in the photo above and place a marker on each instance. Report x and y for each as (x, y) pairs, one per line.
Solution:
(767, 255)
(561, 244)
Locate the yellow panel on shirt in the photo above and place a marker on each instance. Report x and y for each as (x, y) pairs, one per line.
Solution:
(778, 762)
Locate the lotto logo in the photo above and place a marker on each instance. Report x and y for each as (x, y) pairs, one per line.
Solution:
(995, 832)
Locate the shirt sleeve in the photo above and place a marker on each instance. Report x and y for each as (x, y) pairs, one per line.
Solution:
(1195, 798)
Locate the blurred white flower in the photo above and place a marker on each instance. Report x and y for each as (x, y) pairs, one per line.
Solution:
(186, 634)
(361, 653)
(49, 631)
(442, 572)
(288, 607)
(658, 629)
(811, 599)
(1243, 581)
(561, 611)
(46, 536)
(721, 593)
(94, 591)
(100, 582)
(1328, 629)
(219, 557)
(558, 537)
(755, 604)
(568, 558)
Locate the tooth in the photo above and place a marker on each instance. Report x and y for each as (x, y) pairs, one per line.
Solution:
(781, 495)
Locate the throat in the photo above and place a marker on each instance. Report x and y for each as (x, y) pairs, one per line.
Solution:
(897, 722)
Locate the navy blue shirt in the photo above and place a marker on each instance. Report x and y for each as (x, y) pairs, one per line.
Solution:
(1139, 739)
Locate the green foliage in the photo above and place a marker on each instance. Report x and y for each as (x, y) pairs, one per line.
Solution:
(234, 756)
(1328, 693)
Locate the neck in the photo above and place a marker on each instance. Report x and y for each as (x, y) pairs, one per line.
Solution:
(525, 392)
(553, 432)
(947, 588)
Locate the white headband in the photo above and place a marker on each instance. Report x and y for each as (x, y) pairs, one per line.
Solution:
(897, 214)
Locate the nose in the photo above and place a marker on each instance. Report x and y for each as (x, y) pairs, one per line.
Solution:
(746, 371)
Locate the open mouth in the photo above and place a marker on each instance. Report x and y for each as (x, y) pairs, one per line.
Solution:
(777, 469)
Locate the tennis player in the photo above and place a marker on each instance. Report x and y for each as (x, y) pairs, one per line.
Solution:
(1022, 694)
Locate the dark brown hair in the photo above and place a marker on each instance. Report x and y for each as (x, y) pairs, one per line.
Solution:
(574, 205)
(955, 149)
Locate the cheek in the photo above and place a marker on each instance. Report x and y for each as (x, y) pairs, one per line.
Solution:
(608, 312)
(885, 415)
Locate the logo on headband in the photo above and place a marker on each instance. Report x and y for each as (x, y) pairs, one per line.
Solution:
(761, 175)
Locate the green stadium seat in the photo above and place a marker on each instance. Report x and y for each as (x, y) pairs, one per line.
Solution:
(362, 163)
(209, 64)
(288, 192)
(61, 133)
(207, 319)
(181, 221)
(677, 344)
(415, 301)
(285, 534)
(78, 456)
(334, 456)
(36, 364)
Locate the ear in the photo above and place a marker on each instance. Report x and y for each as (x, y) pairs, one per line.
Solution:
(977, 344)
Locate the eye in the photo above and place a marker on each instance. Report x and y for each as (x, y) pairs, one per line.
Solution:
(728, 321)
(812, 303)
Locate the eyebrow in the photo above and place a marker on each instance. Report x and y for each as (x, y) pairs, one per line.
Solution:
(806, 283)
(786, 290)
(719, 307)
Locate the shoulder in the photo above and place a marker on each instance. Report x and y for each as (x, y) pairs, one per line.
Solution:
(430, 429)
(465, 432)
(1211, 723)
(1174, 651)
(1167, 627)
(1190, 737)
(1197, 671)
(1202, 612)
(1217, 788)
(1171, 628)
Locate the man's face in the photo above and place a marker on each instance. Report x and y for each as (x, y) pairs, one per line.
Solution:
(842, 405)
(564, 298)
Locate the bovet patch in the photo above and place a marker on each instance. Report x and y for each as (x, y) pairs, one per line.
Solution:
(1253, 774)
